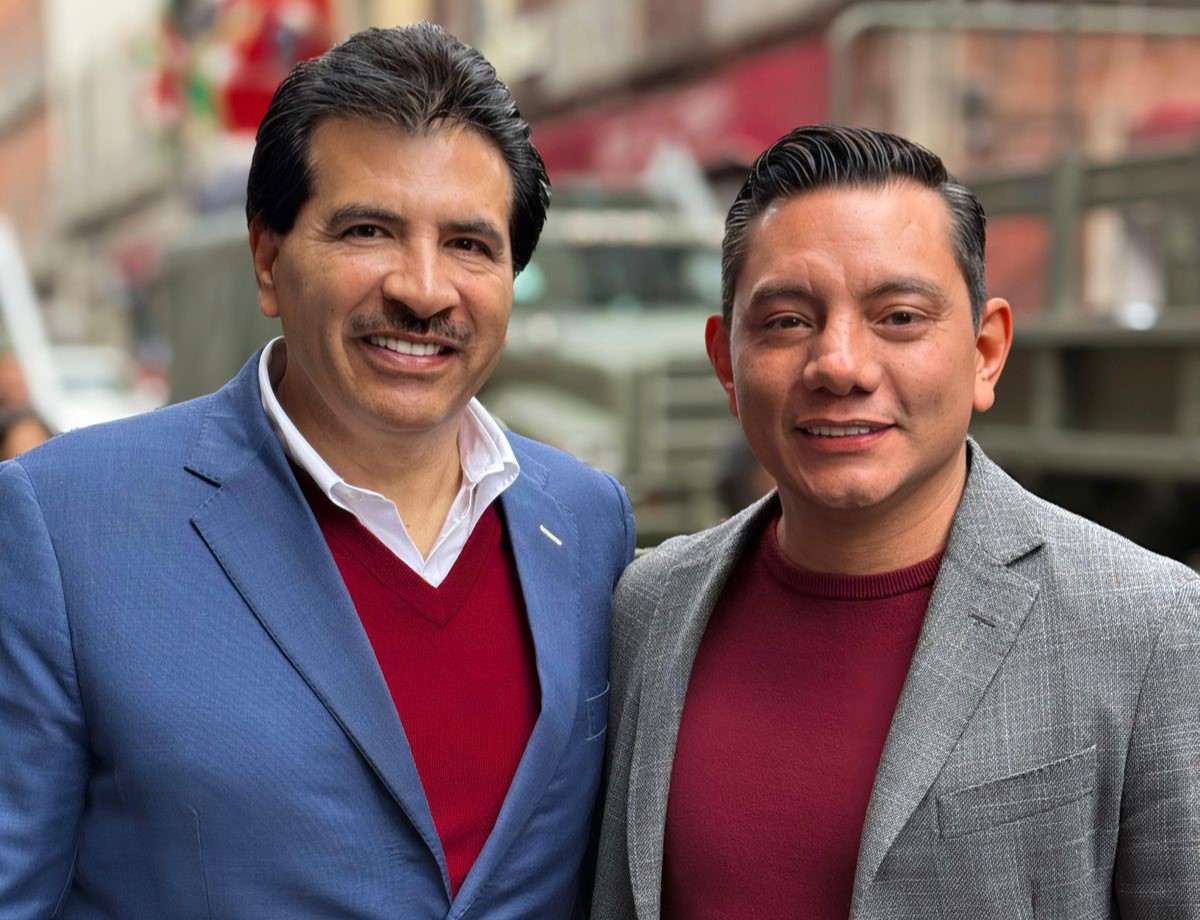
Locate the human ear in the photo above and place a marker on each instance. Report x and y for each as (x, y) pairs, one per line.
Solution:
(264, 249)
(716, 341)
(992, 344)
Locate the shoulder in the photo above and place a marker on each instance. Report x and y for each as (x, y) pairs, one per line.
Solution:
(1085, 562)
(645, 577)
(555, 466)
(690, 565)
(230, 420)
(720, 546)
(1083, 572)
(122, 446)
(115, 471)
(594, 499)
(568, 479)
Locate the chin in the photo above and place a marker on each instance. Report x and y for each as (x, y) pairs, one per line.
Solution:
(848, 497)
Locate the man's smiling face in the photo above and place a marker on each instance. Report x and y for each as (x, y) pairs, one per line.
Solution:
(851, 356)
(394, 286)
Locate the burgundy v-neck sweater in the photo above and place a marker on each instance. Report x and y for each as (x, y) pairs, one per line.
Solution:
(459, 662)
(787, 710)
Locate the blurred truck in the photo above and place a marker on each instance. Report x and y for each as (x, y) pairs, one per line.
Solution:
(1099, 406)
(209, 302)
(606, 358)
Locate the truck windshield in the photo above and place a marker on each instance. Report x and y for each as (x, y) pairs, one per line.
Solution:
(620, 277)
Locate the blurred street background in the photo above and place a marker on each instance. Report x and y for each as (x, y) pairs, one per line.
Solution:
(126, 128)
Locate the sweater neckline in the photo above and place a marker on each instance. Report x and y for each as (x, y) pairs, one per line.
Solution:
(844, 587)
(436, 603)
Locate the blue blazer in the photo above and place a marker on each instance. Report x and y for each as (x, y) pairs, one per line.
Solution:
(192, 720)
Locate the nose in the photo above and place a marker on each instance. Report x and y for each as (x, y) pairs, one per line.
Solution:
(842, 360)
(421, 279)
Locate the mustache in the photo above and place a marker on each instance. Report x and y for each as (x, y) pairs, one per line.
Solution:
(403, 320)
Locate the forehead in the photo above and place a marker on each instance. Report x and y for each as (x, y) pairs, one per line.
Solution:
(853, 235)
(353, 157)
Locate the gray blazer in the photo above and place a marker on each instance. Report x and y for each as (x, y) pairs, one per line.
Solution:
(1044, 758)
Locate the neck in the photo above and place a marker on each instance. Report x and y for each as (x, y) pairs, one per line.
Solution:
(420, 473)
(869, 541)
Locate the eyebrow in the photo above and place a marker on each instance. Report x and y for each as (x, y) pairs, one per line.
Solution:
(889, 287)
(353, 212)
(909, 284)
(787, 291)
(481, 227)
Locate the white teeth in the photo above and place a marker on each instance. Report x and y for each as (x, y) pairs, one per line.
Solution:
(827, 431)
(404, 347)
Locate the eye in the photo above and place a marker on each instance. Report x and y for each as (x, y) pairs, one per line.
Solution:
(786, 321)
(364, 232)
(468, 244)
(901, 318)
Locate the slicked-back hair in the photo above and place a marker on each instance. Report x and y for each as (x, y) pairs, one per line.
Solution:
(832, 156)
(418, 78)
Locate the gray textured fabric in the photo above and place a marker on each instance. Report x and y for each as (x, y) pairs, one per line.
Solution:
(1044, 758)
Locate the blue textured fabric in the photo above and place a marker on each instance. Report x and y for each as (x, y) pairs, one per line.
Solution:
(192, 721)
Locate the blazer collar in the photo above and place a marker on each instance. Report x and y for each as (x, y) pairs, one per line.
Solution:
(235, 428)
(977, 609)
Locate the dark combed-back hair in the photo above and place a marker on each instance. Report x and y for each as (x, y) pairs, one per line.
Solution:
(418, 78)
(826, 156)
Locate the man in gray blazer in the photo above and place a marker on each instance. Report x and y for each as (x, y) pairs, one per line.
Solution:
(900, 686)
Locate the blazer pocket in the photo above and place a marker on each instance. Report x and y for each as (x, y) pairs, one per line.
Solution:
(1021, 795)
(597, 714)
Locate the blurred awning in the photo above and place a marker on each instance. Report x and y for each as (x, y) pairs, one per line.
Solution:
(728, 117)
(1172, 121)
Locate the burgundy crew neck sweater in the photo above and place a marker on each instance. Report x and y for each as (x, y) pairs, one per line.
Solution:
(459, 662)
(787, 710)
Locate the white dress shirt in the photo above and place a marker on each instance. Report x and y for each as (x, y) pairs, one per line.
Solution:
(488, 468)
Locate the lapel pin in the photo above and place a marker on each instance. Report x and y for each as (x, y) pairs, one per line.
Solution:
(543, 529)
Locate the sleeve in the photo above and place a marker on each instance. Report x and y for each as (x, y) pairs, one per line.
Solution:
(588, 873)
(1157, 873)
(630, 525)
(43, 751)
(633, 608)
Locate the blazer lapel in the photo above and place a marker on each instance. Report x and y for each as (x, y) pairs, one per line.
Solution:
(681, 617)
(975, 613)
(545, 543)
(260, 529)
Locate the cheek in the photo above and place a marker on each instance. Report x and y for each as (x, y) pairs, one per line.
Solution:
(493, 308)
(937, 377)
(764, 412)
(944, 401)
(306, 294)
(764, 380)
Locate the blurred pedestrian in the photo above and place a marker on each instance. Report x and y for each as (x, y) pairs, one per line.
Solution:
(13, 389)
(325, 643)
(901, 686)
(20, 430)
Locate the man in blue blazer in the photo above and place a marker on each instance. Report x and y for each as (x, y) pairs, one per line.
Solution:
(247, 667)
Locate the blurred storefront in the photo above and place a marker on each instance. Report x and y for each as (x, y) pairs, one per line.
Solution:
(154, 107)
(724, 118)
